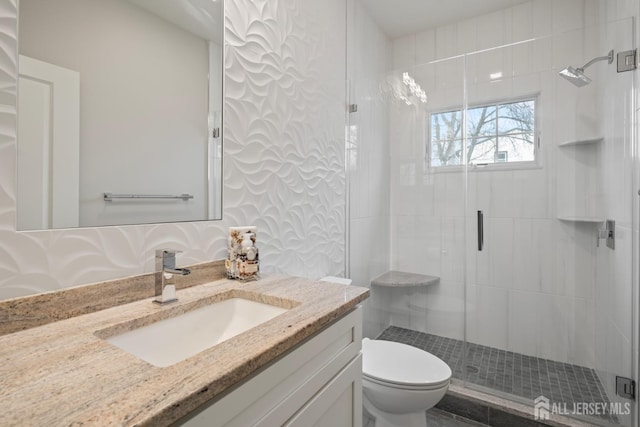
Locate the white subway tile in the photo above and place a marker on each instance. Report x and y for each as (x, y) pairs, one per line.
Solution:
(553, 327)
(522, 21)
(542, 55)
(526, 265)
(399, 308)
(425, 46)
(492, 316)
(501, 194)
(567, 15)
(542, 18)
(584, 345)
(417, 304)
(453, 249)
(523, 323)
(404, 52)
(467, 36)
(490, 30)
(530, 193)
(499, 238)
(445, 316)
(445, 41)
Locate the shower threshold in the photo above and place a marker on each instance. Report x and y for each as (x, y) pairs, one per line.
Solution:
(506, 372)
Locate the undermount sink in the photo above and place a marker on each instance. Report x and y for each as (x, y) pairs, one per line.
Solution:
(172, 340)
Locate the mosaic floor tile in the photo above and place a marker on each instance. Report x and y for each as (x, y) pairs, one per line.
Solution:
(509, 372)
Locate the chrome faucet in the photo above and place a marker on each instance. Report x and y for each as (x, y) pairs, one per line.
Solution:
(165, 270)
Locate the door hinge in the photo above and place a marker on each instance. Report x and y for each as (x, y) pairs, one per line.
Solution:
(626, 387)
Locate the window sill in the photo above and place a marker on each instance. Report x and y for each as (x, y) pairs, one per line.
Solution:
(488, 168)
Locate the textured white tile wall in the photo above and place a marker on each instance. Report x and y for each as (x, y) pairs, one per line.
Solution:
(285, 118)
(283, 165)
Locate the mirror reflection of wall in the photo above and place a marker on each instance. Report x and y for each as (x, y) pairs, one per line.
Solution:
(146, 116)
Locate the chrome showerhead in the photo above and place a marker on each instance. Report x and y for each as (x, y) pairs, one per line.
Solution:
(577, 76)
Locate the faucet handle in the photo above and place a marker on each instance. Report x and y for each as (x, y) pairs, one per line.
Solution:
(163, 253)
(166, 258)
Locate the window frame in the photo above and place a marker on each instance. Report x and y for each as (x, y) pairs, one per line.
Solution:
(523, 164)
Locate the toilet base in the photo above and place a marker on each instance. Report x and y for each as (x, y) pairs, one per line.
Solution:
(387, 419)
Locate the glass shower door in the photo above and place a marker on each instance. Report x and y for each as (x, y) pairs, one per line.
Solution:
(427, 192)
(549, 304)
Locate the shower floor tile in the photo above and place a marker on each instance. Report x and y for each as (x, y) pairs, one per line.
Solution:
(509, 372)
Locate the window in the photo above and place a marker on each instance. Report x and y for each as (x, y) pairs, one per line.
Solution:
(495, 133)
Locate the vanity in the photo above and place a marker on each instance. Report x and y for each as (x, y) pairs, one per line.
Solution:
(59, 364)
(301, 367)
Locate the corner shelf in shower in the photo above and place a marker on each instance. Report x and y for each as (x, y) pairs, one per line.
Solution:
(585, 219)
(582, 142)
(400, 279)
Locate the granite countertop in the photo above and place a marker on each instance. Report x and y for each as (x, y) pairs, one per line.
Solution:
(399, 279)
(61, 373)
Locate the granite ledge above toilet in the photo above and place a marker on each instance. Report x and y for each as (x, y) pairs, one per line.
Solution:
(401, 279)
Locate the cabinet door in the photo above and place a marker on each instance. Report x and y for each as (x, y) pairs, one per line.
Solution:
(339, 403)
(278, 392)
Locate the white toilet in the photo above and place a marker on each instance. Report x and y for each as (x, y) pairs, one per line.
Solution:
(399, 382)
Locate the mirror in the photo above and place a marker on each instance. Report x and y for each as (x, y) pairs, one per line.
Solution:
(119, 112)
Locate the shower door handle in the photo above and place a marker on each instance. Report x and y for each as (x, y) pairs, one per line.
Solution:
(480, 230)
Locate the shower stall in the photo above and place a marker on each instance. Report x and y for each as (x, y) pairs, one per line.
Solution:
(471, 158)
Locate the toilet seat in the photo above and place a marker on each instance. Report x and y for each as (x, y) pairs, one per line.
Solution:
(402, 366)
(412, 387)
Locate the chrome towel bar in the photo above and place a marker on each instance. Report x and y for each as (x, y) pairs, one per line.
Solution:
(108, 197)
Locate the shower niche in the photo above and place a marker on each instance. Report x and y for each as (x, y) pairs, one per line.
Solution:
(579, 198)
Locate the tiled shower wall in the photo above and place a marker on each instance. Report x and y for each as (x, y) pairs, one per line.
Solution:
(283, 159)
(531, 290)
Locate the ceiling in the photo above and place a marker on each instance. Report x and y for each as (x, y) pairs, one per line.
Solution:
(396, 18)
(200, 17)
(399, 18)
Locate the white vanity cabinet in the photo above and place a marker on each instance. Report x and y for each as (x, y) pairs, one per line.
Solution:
(317, 383)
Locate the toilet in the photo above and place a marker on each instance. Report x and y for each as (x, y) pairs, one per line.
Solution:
(399, 382)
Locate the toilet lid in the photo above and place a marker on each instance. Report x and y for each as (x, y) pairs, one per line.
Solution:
(402, 364)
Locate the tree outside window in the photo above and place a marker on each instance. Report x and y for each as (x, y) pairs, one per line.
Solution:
(495, 133)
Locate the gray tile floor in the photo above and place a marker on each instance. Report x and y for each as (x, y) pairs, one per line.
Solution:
(435, 418)
(509, 372)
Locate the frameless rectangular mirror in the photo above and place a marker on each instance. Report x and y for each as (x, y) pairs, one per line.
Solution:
(119, 112)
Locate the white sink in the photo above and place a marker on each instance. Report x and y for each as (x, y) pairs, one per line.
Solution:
(175, 339)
